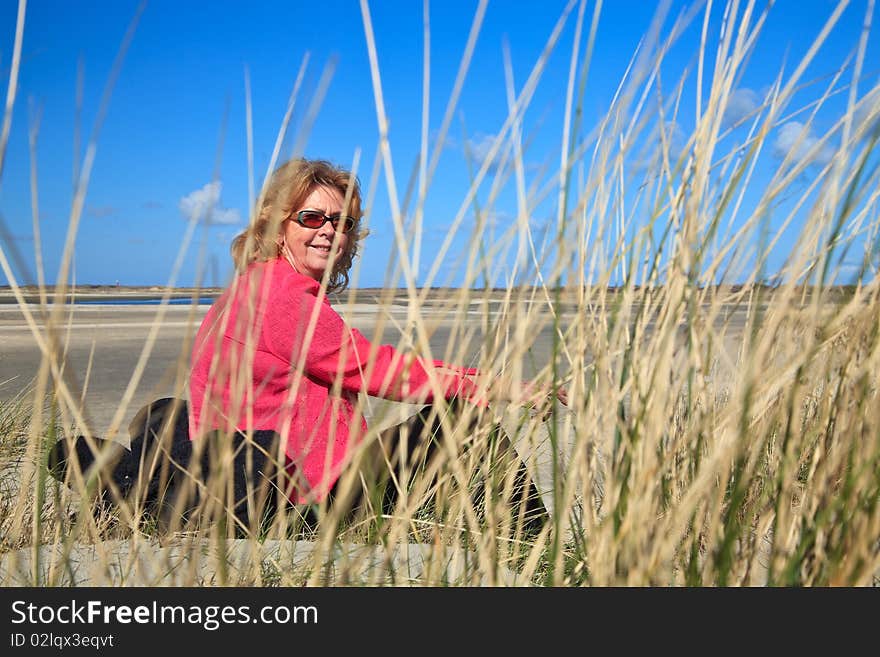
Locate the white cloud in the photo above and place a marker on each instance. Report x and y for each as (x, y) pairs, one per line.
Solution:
(204, 205)
(479, 147)
(847, 272)
(792, 136)
(649, 159)
(867, 114)
(741, 104)
(449, 142)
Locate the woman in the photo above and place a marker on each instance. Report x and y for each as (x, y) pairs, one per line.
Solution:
(278, 371)
(273, 355)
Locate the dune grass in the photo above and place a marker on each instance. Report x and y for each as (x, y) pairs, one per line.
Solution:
(723, 425)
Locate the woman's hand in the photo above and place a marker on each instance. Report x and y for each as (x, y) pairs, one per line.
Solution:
(540, 396)
(531, 394)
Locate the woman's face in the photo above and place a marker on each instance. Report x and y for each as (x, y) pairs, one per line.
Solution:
(308, 249)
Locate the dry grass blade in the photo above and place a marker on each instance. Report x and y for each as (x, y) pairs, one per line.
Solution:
(722, 426)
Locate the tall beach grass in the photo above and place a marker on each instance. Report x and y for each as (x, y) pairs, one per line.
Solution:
(723, 425)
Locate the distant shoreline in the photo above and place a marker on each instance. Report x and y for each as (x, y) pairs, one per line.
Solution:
(110, 294)
(147, 294)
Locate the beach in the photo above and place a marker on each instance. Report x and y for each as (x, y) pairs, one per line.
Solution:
(121, 354)
(106, 336)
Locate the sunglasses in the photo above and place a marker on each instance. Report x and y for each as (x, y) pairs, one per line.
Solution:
(315, 219)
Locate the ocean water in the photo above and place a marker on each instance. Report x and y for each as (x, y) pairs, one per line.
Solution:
(202, 301)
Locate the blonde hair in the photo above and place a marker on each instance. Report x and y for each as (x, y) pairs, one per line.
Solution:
(290, 185)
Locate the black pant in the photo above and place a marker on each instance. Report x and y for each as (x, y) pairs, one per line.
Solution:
(408, 458)
(179, 482)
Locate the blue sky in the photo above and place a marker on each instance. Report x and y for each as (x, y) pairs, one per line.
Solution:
(175, 135)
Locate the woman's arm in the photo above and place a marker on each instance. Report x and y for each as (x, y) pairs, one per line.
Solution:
(334, 352)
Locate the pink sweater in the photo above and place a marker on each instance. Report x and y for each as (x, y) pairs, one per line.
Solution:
(250, 370)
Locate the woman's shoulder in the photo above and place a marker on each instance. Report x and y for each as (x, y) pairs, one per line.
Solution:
(278, 276)
(280, 285)
(285, 280)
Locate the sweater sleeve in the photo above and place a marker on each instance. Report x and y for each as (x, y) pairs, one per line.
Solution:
(336, 352)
